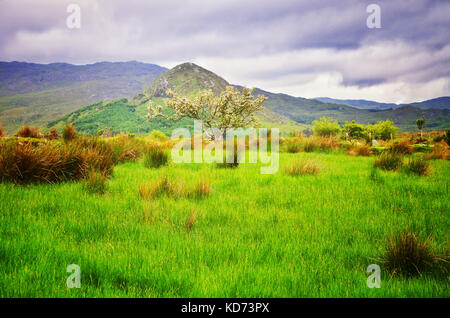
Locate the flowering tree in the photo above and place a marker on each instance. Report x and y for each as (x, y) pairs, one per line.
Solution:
(231, 109)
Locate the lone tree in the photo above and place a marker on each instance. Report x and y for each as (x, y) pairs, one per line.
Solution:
(421, 124)
(230, 109)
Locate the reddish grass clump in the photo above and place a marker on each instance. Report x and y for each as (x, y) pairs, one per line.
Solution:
(31, 162)
(302, 167)
(28, 132)
(201, 189)
(389, 161)
(25, 163)
(438, 152)
(363, 150)
(2, 133)
(52, 134)
(407, 255)
(69, 132)
(402, 147)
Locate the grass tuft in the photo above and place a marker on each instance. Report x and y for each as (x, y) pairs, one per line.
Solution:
(389, 161)
(95, 182)
(155, 157)
(302, 167)
(418, 166)
(408, 256)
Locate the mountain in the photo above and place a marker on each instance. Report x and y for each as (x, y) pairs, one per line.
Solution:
(127, 115)
(358, 103)
(117, 95)
(437, 103)
(38, 93)
(186, 79)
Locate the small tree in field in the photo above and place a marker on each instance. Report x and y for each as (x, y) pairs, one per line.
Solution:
(326, 127)
(231, 109)
(421, 124)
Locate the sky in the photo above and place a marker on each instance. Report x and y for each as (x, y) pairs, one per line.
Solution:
(302, 48)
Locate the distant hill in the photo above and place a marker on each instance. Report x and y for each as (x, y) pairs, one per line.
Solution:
(304, 111)
(38, 93)
(358, 103)
(117, 95)
(127, 115)
(438, 103)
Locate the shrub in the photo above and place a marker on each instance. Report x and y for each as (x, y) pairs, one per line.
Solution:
(25, 163)
(408, 256)
(28, 132)
(355, 130)
(126, 149)
(418, 166)
(97, 153)
(294, 146)
(382, 130)
(327, 143)
(388, 161)
(402, 147)
(69, 132)
(362, 150)
(302, 167)
(155, 157)
(438, 152)
(157, 134)
(52, 134)
(95, 182)
(326, 127)
(310, 145)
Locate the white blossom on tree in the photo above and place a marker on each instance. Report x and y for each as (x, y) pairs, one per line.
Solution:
(230, 109)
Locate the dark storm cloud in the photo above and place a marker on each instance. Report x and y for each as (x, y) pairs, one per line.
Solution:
(267, 43)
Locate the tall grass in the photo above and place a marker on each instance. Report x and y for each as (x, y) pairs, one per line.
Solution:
(69, 132)
(28, 132)
(389, 161)
(302, 167)
(418, 166)
(155, 157)
(407, 255)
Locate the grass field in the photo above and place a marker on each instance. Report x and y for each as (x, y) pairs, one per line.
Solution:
(253, 236)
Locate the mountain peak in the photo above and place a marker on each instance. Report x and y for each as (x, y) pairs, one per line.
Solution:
(186, 79)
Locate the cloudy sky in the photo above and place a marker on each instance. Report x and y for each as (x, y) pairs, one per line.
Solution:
(303, 48)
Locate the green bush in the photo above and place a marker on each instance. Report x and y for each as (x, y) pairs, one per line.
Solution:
(326, 127)
(389, 161)
(155, 157)
(382, 130)
(418, 166)
(355, 130)
(157, 134)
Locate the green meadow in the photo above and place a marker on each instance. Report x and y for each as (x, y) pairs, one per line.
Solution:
(254, 235)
